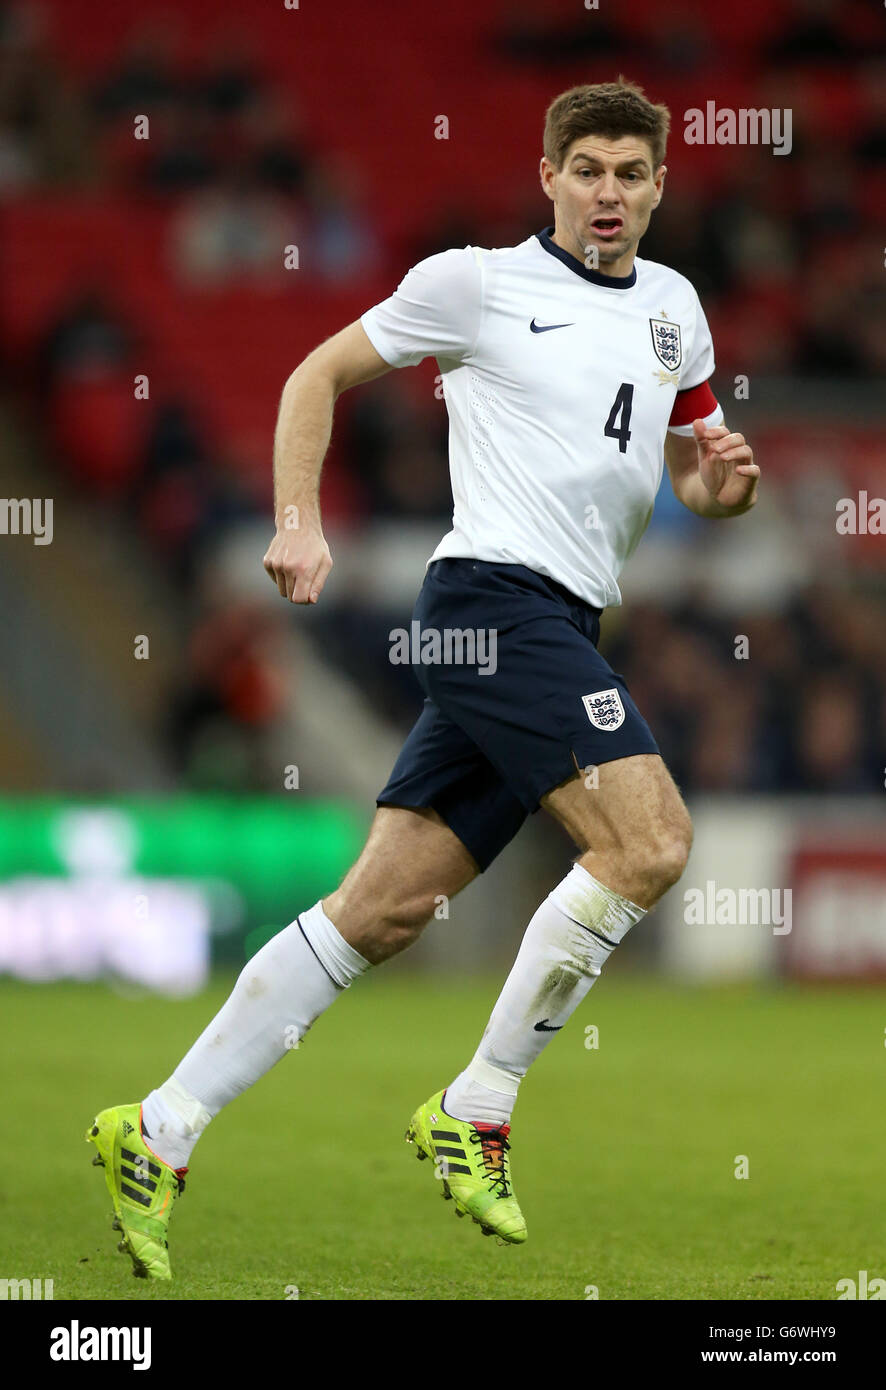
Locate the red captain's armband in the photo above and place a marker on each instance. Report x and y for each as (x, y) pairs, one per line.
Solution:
(695, 404)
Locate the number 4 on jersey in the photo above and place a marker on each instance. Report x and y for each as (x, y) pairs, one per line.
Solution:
(621, 406)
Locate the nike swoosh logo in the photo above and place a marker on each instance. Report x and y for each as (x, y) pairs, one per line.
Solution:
(546, 327)
(543, 1027)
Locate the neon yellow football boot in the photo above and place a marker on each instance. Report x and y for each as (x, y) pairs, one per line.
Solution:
(471, 1161)
(143, 1189)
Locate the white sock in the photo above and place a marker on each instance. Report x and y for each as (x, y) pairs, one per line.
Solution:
(566, 944)
(279, 994)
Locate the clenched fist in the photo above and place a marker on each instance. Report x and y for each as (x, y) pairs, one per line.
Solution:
(298, 561)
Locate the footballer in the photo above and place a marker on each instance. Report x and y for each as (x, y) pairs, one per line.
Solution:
(572, 371)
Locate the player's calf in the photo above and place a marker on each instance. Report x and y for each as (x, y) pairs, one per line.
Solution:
(379, 930)
(388, 897)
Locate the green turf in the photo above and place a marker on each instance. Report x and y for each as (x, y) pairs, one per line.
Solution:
(623, 1157)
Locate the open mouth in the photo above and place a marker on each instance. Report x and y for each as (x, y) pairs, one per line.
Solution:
(607, 226)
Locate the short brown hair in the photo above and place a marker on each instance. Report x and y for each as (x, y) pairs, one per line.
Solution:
(610, 109)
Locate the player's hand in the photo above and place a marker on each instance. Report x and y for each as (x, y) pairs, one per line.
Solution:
(298, 562)
(725, 464)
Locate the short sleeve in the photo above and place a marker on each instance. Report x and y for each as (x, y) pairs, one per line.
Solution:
(700, 363)
(434, 312)
(695, 398)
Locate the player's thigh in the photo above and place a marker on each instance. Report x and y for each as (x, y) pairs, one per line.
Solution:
(631, 805)
(409, 859)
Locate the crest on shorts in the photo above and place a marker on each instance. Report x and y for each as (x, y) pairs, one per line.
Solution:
(605, 710)
(667, 344)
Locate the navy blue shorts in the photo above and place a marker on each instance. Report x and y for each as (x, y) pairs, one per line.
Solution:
(517, 700)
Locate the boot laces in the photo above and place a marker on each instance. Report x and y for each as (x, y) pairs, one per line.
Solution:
(493, 1150)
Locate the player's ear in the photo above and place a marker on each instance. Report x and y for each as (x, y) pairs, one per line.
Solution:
(659, 184)
(546, 171)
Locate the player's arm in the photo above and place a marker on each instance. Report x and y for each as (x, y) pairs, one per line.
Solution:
(298, 559)
(712, 471)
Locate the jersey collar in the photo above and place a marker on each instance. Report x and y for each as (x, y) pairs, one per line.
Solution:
(596, 277)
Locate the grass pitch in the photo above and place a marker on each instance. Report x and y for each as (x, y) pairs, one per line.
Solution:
(624, 1156)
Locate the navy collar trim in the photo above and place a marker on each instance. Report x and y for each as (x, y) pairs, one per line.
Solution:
(595, 277)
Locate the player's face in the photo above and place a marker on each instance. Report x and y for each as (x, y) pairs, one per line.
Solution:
(603, 198)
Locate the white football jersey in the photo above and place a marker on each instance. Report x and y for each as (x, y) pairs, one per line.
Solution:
(560, 383)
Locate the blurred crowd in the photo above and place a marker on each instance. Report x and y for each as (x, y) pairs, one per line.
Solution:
(800, 706)
(789, 271)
